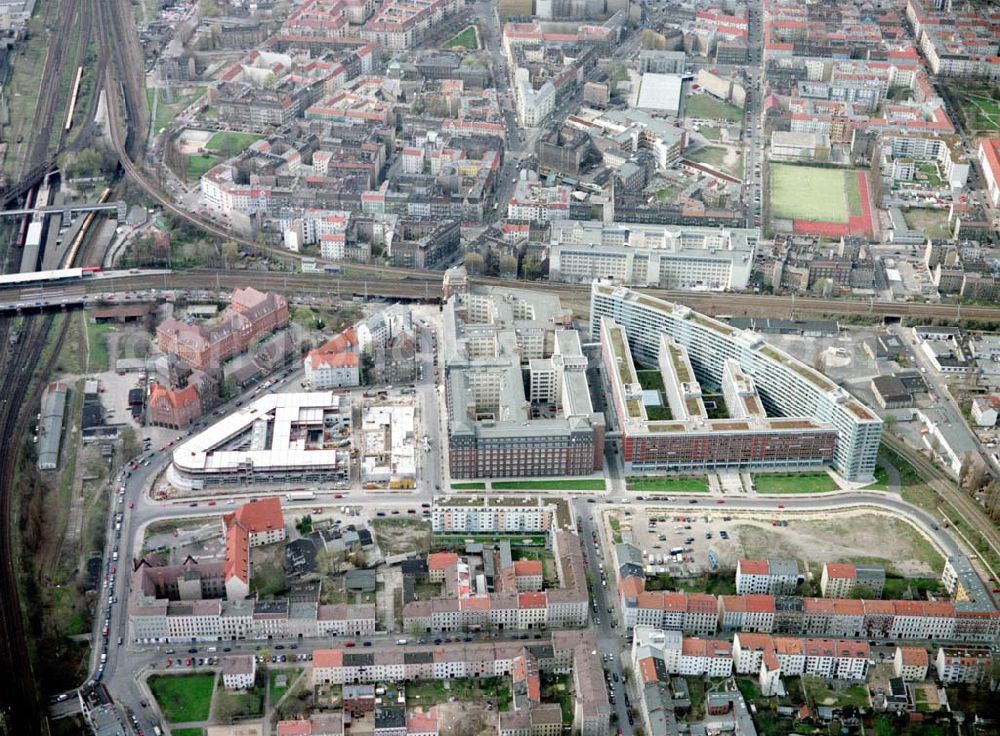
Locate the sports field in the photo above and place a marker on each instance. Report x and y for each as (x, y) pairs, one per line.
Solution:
(814, 194)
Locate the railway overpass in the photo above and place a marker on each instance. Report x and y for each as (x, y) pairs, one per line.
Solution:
(426, 286)
(120, 207)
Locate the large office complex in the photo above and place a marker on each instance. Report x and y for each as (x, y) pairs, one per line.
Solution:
(668, 256)
(276, 438)
(493, 338)
(781, 413)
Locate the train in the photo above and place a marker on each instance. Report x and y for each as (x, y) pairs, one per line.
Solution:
(29, 202)
(72, 99)
(87, 221)
(45, 278)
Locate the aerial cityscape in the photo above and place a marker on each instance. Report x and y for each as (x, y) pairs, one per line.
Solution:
(500, 368)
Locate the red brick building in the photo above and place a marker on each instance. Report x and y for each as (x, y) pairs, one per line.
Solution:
(250, 315)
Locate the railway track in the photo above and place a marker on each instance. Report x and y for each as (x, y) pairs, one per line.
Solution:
(399, 283)
(52, 75)
(19, 699)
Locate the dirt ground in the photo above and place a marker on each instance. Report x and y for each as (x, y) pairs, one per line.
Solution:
(847, 538)
(466, 719)
(857, 537)
(397, 536)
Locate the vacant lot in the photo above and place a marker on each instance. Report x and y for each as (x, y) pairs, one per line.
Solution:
(183, 698)
(706, 107)
(794, 483)
(396, 536)
(668, 485)
(724, 158)
(933, 223)
(814, 194)
(857, 537)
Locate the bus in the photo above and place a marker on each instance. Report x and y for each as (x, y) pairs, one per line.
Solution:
(301, 496)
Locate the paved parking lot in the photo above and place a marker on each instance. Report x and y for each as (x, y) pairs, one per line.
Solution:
(656, 533)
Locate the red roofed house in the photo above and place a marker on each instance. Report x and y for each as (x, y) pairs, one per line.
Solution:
(423, 723)
(911, 663)
(255, 523)
(236, 566)
(837, 579)
(528, 575)
(173, 408)
(334, 364)
(262, 518)
(325, 663)
(438, 563)
(294, 728)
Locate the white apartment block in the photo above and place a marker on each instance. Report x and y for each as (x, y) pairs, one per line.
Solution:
(239, 671)
(910, 663)
(770, 577)
(963, 665)
(667, 256)
(827, 658)
(486, 514)
(533, 105)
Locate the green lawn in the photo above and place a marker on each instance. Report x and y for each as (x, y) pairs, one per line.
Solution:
(229, 144)
(659, 413)
(466, 38)
(97, 359)
(239, 703)
(668, 485)
(881, 480)
(469, 486)
(707, 107)
(668, 194)
(431, 692)
(567, 484)
(278, 692)
(183, 698)
(711, 132)
(198, 165)
(811, 193)
(794, 483)
(896, 587)
(817, 693)
(650, 380)
(187, 732)
(168, 110)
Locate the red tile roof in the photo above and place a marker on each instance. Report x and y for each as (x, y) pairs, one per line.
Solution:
(441, 560)
(531, 600)
(647, 670)
(753, 567)
(237, 561)
(328, 658)
(294, 728)
(258, 515)
(525, 568)
(914, 656)
(758, 603)
(840, 570)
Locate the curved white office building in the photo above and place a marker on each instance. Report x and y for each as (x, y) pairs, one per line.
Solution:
(786, 386)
